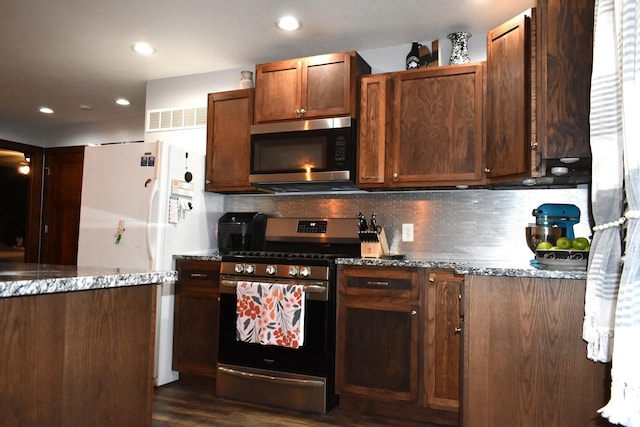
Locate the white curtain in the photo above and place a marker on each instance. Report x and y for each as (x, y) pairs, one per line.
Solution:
(612, 304)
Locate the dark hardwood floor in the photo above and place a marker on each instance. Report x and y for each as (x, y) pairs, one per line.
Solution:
(184, 404)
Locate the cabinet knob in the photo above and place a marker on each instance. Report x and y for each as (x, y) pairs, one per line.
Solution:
(534, 144)
(208, 181)
(302, 111)
(395, 174)
(413, 312)
(487, 170)
(457, 330)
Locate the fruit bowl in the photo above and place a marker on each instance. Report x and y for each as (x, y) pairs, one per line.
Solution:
(539, 233)
(559, 259)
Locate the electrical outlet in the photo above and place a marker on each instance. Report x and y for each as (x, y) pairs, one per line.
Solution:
(407, 232)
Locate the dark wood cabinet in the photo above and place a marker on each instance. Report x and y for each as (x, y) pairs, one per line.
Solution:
(386, 322)
(197, 306)
(378, 333)
(307, 88)
(539, 79)
(229, 120)
(373, 129)
(433, 132)
(442, 332)
(525, 360)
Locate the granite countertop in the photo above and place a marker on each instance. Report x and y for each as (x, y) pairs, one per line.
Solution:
(21, 279)
(480, 268)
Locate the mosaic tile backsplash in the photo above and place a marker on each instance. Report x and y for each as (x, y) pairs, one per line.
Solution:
(457, 225)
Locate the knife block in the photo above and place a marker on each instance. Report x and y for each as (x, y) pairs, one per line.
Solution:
(373, 244)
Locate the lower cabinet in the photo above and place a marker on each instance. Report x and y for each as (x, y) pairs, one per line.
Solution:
(526, 361)
(385, 326)
(197, 306)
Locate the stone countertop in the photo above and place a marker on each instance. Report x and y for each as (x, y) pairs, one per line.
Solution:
(21, 279)
(479, 268)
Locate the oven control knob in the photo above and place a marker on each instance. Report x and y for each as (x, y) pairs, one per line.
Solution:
(249, 268)
(293, 270)
(305, 271)
(271, 270)
(239, 268)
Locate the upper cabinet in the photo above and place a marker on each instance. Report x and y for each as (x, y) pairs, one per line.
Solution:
(423, 127)
(307, 88)
(229, 119)
(538, 85)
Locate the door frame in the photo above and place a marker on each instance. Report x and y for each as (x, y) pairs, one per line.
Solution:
(34, 203)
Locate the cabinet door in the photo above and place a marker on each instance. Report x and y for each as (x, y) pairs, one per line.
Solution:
(438, 127)
(525, 362)
(565, 55)
(378, 333)
(229, 119)
(508, 128)
(197, 307)
(278, 90)
(372, 129)
(326, 86)
(442, 345)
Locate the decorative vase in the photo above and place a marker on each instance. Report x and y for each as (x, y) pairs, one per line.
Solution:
(246, 81)
(459, 50)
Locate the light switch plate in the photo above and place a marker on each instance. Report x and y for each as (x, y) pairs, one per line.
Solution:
(407, 232)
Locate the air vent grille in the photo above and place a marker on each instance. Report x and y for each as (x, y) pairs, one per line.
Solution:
(176, 118)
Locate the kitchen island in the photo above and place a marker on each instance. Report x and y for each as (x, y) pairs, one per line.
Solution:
(77, 345)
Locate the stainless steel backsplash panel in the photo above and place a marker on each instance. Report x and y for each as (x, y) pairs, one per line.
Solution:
(457, 225)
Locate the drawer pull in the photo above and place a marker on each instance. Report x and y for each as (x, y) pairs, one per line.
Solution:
(198, 275)
(378, 283)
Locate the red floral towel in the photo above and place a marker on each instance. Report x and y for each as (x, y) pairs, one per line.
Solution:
(270, 314)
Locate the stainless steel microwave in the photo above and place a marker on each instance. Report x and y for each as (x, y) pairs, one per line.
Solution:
(306, 155)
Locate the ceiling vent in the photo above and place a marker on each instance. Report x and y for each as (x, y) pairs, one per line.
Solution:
(176, 118)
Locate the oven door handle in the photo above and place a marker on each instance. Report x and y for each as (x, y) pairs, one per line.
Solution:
(311, 288)
(233, 372)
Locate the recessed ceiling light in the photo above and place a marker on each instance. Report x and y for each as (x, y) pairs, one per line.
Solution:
(143, 48)
(46, 110)
(288, 23)
(122, 101)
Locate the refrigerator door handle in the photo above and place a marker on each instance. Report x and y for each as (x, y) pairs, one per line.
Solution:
(150, 248)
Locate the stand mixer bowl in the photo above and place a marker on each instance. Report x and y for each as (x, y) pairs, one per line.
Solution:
(543, 233)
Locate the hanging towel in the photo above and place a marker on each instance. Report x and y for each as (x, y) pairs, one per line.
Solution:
(270, 314)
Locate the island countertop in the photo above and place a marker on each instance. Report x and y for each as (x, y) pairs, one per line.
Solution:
(22, 279)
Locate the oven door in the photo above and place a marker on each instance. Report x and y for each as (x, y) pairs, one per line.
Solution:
(316, 357)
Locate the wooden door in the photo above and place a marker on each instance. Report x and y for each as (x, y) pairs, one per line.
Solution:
(326, 82)
(443, 344)
(525, 360)
(197, 308)
(508, 152)
(378, 333)
(229, 120)
(61, 208)
(565, 56)
(438, 127)
(372, 129)
(278, 90)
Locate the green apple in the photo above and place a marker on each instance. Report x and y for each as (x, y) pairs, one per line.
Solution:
(580, 244)
(563, 243)
(544, 246)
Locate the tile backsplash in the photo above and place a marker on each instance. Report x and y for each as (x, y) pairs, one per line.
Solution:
(456, 225)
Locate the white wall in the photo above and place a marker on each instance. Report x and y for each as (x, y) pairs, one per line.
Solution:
(122, 130)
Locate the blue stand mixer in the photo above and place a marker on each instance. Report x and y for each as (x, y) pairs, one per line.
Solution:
(553, 220)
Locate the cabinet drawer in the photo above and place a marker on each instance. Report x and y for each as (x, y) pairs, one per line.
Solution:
(374, 281)
(205, 271)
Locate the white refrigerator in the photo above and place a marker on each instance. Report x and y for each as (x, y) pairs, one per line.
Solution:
(143, 202)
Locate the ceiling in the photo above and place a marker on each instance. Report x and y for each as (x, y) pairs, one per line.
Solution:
(68, 53)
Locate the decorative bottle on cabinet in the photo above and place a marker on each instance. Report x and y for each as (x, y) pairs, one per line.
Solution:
(413, 58)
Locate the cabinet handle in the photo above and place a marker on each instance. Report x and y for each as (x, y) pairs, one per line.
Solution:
(378, 283)
(457, 330)
(413, 312)
(198, 275)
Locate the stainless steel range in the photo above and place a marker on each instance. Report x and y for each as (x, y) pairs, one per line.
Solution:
(299, 252)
